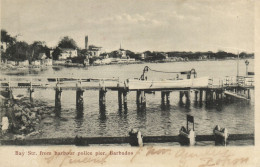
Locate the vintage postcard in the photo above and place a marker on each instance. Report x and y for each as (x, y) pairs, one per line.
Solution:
(129, 83)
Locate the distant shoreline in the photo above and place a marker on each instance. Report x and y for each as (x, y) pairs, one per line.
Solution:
(12, 67)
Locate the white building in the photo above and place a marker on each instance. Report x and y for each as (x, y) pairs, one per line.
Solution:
(94, 51)
(24, 63)
(67, 53)
(36, 63)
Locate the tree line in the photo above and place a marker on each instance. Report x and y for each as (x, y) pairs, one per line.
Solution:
(21, 50)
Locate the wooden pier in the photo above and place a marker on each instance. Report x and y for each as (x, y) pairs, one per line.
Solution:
(213, 89)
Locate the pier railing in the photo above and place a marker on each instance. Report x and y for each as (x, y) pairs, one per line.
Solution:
(231, 81)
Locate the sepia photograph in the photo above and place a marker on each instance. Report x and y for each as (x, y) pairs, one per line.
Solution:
(127, 74)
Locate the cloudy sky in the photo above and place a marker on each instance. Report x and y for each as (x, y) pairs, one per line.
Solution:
(156, 25)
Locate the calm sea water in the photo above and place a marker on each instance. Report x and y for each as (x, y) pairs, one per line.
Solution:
(155, 120)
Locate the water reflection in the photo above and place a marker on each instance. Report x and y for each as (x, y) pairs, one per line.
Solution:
(102, 113)
(79, 111)
(57, 110)
(165, 107)
(141, 113)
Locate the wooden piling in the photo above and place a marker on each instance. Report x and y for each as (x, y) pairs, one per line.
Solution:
(120, 93)
(125, 99)
(143, 98)
(187, 95)
(58, 97)
(248, 94)
(140, 98)
(79, 98)
(196, 95)
(163, 96)
(201, 95)
(102, 96)
(168, 97)
(181, 97)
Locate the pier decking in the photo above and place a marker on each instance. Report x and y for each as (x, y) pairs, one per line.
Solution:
(214, 88)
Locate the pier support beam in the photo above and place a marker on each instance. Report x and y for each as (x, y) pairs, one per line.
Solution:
(201, 96)
(58, 98)
(120, 93)
(79, 98)
(168, 97)
(125, 99)
(140, 98)
(122, 100)
(248, 94)
(102, 96)
(165, 97)
(196, 95)
(187, 95)
(209, 97)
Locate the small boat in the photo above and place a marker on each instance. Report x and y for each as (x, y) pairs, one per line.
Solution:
(168, 84)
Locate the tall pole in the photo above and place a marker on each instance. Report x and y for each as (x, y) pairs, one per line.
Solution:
(238, 64)
(247, 63)
(237, 67)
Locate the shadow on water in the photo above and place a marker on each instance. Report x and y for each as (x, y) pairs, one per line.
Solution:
(165, 107)
(123, 112)
(57, 111)
(102, 113)
(79, 112)
(198, 104)
(141, 113)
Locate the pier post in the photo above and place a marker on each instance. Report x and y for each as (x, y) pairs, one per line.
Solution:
(168, 97)
(201, 96)
(120, 99)
(187, 95)
(140, 98)
(163, 97)
(102, 96)
(79, 98)
(217, 95)
(125, 99)
(221, 94)
(248, 94)
(209, 97)
(143, 98)
(58, 97)
(196, 95)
